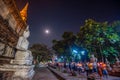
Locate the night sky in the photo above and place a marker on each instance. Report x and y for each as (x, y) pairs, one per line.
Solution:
(65, 15)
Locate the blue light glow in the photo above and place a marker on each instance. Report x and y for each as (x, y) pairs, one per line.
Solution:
(75, 51)
(83, 52)
(61, 56)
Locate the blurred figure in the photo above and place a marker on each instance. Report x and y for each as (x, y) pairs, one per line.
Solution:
(86, 69)
(70, 66)
(90, 66)
(65, 66)
(79, 67)
(104, 70)
(94, 67)
(100, 70)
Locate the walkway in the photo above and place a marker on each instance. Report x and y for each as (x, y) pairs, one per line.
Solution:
(67, 76)
(43, 73)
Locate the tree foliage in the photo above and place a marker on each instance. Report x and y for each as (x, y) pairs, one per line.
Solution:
(63, 47)
(41, 52)
(101, 39)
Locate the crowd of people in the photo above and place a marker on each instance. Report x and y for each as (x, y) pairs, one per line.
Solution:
(91, 69)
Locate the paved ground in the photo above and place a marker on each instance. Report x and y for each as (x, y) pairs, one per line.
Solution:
(98, 78)
(43, 73)
(81, 76)
(104, 78)
(113, 78)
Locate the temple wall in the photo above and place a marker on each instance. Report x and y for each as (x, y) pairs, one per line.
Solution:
(15, 58)
(11, 27)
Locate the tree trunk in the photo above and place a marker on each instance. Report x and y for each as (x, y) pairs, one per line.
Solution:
(101, 53)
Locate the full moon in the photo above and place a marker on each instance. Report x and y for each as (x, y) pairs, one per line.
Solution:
(47, 31)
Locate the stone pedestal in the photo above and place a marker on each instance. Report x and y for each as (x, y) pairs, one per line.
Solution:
(22, 72)
(23, 58)
(23, 65)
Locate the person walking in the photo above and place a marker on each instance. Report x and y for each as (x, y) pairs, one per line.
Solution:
(104, 70)
(100, 70)
(86, 69)
(70, 66)
(79, 66)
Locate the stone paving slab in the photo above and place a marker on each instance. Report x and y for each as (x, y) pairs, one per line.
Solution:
(43, 73)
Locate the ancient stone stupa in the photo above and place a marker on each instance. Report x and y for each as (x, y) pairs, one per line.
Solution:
(19, 60)
(23, 57)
